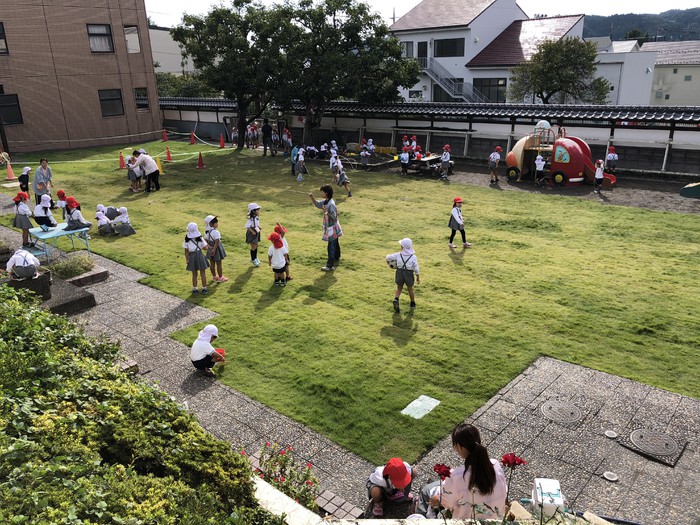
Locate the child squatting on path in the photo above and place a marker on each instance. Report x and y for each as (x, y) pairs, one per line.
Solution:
(389, 482)
(457, 223)
(203, 355)
(406, 265)
(196, 261)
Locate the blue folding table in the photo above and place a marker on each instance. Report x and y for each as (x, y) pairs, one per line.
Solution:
(45, 240)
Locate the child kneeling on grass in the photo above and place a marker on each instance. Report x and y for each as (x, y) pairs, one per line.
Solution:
(406, 265)
(278, 258)
(390, 482)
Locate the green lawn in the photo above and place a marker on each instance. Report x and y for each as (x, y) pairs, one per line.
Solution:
(606, 287)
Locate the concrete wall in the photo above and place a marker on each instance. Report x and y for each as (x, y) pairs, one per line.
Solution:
(166, 52)
(56, 76)
(630, 74)
(680, 92)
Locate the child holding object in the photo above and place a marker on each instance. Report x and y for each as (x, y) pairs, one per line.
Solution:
(406, 265)
(22, 214)
(390, 482)
(457, 223)
(203, 354)
(23, 265)
(216, 248)
(252, 232)
(278, 258)
(196, 261)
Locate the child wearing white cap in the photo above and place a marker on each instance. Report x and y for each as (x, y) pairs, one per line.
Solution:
(122, 224)
(203, 354)
(104, 225)
(252, 232)
(539, 170)
(196, 261)
(42, 213)
(24, 179)
(406, 265)
(216, 251)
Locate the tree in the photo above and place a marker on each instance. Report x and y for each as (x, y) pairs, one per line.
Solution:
(560, 71)
(236, 52)
(340, 50)
(636, 34)
(170, 85)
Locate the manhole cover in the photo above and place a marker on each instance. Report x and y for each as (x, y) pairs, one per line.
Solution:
(654, 444)
(560, 411)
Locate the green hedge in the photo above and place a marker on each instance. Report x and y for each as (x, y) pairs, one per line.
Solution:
(81, 442)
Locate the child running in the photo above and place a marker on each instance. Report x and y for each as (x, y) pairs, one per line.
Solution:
(22, 215)
(278, 258)
(343, 178)
(457, 223)
(406, 267)
(282, 231)
(252, 232)
(196, 262)
(217, 253)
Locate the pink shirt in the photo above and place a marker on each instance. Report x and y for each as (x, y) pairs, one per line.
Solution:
(457, 497)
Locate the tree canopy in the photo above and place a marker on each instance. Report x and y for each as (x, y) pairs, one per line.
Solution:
(559, 72)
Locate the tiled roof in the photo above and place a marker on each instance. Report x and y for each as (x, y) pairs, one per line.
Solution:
(520, 40)
(465, 111)
(675, 53)
(433, 14)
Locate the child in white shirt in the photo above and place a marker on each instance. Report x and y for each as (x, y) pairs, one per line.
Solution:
(196, 262)
(22, 214)
(457, 223)
(445, 161)
(282, 231)
(406, 265)
(23, 265)
(278, 258)
(42, 213)
(405, 159)
(216, 251)
(598, 183)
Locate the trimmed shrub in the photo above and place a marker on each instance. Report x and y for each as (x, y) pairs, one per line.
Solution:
(71, 266)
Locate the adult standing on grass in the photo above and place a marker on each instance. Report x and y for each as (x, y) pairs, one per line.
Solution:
(43, 181)
(203, 355)
(149, 166)
(494, 160)
(267, 138)
(331, 227)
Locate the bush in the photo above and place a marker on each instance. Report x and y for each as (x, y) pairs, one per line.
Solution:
(83, 443)
(71, 266)
(279, 469)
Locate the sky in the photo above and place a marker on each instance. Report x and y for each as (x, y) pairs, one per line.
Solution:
(168, 13)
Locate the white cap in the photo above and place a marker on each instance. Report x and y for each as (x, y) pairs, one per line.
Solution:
(26, 170)
(46, 200)
(406, 244)
(208, 219)
(208, 332)
(253, 206)
(142, 150)
(193, 231)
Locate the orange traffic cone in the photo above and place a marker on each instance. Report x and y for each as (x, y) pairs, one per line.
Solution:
(192, 141)
(222, 144)
(165, 136)
(168, 156)
(160, 166)
(122, 164)
(200, 162)
(10, 173)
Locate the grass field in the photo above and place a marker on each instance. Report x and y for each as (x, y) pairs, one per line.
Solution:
(606, 287)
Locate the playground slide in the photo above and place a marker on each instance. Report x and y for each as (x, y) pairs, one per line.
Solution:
(691, 190)
(589, 167)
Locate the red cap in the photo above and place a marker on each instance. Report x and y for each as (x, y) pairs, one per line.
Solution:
(499, 148)
(414, 137)
(405, 148)
(611, 149)
(599, 161)
(405, 137)
(364, 141)
(457, 199)
(280, 229)
(446, 146)
(418, 148)
(276, 240)
(61, 194)
(21, 195)
(70, 201)
(221, 351)
(397, 472)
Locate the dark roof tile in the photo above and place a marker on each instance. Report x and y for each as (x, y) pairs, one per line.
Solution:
(434, 14)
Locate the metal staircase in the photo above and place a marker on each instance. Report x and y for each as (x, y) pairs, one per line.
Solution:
(455, 88)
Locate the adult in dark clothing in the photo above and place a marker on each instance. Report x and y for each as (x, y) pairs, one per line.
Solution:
(267, 138)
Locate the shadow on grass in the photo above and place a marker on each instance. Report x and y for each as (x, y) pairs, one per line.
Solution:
(269, 297)
(401, 328)
(316, 291)
(241, 280)
(456, 256)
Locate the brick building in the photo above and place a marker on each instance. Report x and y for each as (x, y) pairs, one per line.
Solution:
(71, 74)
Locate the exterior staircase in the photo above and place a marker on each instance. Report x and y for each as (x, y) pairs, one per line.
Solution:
(461, 90)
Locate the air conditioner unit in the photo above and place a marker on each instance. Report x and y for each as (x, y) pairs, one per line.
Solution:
(659, 93)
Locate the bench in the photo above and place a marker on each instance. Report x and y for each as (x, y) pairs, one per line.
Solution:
(431, 163)
(45, 240)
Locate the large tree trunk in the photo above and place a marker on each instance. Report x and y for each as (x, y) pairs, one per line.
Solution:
(312, 121)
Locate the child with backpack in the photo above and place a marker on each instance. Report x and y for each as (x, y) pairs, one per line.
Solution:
(407, 271)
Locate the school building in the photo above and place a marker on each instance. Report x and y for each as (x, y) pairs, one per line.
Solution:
(76, 74)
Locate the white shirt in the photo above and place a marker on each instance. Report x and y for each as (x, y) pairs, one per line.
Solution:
(41, 211)
(599, 172)
(213, 235)
(445, 156)
(123, 217)
(494, 157)
(277, 254)
(404, 157)
(253, 223)
(612, 156)
(285, 244)
(200, 350)
(104, 220)
(333, 161)
(457, 497)
(23, 209)
(364, 153)
(76, 216)
(539, 164)
(457, 214)
(377, 477)
(149, 165)
(405, 262)
(60, 203)
(22, 258)
(300, 156)
(191, 246)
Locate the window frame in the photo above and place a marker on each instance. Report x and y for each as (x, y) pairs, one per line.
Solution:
(109, 36)
(687, 78)
(142, 108)
(138, 38)
(492, 85)
(407, 49)
(3, 40)
(440, 43)
(13, 106)
(101, 96)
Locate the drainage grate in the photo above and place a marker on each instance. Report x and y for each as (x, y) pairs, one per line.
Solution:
(561, 411)
(654, 444)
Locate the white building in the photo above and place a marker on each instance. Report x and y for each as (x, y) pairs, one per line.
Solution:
(167, 53)
(676, 73)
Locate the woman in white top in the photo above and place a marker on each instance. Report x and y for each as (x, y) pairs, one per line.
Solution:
(42, 213)
(476, 490)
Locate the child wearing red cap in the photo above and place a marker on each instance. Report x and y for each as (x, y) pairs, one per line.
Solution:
(445, 161)
(278, 258)
(74, 218)
(611, 160)
(282, 230)
(22, 214)
(404, 142)
(389, 482)
(457, 223)
(494, 160)
(61, 202)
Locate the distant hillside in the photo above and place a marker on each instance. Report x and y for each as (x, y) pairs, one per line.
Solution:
(674, 25)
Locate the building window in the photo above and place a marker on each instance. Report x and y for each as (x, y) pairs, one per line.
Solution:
(415, 94)
(100, 37)
(141, 95)
(449, 47)
(675, 70)
(131, 34)
(111, 102)
(3, 40)
(666, 97)
(688, 78)
(407, 49)
(493, 89)
(10, 112)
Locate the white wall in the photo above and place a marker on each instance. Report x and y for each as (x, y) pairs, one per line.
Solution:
(681, 92)
(631, 75)
(166, 52)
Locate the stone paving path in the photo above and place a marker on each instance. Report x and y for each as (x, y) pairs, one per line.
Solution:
(576, 453)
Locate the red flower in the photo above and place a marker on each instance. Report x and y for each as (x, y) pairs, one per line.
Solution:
(268, 444)
(442, 470)
(510, 460)
(283, 452)
(289, 448)
(282, 479)
(309, 482)
(243, 453)
(309, 465)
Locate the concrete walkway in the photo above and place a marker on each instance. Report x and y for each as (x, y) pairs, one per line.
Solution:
(567, 443)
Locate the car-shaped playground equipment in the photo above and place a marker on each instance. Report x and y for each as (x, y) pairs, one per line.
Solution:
(570, 161)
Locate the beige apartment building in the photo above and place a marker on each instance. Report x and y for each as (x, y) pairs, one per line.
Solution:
(76, 74)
